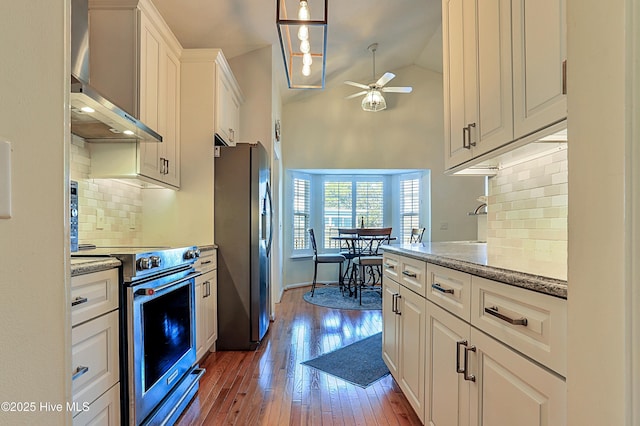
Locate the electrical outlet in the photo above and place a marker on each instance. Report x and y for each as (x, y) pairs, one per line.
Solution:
(444, 226)
(132, 220)
(99, 219)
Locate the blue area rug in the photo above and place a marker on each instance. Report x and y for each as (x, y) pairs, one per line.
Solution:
(331, 297)
(359, 363)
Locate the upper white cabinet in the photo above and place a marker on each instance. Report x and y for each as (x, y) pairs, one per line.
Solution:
(214, 89)
(135, 59)
(503, 73)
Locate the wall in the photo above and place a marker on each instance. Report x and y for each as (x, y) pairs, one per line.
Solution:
(120, 204)
(528, 207)
(323, 130)
(603, 87)
(35, 359)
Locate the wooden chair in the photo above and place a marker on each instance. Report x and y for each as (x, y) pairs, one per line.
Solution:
(367, 266)
(416, 235)
(323, 258)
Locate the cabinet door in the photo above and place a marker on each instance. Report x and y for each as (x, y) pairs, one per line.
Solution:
(539, 49)
(412, 308)
(447, 393)
(225, 114)
(458, 32)
(105, 411)
(493, 46)
(170, 147)
(511, 390)
(210, 310)
(150, 54)
(390, 325)
(200, 308)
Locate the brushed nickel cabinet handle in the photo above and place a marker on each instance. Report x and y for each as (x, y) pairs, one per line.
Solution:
(466, 130)
(80, 370)
(441, 289)
(493, 310)
(467, 376)
(389, 266)
(564, 77)
(471, 143)
(459, 343)
(79, 301)
(398, 296)
(409, 274)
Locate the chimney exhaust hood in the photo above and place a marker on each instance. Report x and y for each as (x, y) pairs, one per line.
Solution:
(93, 116)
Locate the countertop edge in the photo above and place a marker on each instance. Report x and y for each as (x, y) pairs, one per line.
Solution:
(83, 266)
(540, 284)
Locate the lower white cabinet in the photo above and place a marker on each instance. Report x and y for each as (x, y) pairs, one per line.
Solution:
(95, 349)
(472, 379)
(206, 304)
(403, 339)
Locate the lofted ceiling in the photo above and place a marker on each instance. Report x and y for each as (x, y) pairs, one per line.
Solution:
(407, 31)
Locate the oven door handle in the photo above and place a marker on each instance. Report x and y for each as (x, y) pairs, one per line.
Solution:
(146, 291)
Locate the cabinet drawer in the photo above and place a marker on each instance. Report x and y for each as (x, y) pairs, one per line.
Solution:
(94, 356)
(104, 411)
(391, 266)
(93, 295)
(450, 289)
(413, 274)
(207, 261)
(533, 323)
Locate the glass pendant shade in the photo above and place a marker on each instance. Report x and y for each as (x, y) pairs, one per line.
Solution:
(373, 101)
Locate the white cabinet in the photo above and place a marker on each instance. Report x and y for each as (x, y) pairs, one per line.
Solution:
(403, 335)
(206, 303)
(134, 59)
(215, 91)
(95, 348)
(473, 379)
(228, 100)
(495, 353)
(503, 73)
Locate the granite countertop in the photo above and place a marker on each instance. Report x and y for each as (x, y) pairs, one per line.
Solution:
(527, 269)
(88, 265)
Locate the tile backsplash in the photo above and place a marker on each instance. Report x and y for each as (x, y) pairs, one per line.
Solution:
(528, 206)
(110, 211)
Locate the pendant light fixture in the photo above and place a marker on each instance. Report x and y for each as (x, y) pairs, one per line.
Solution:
(303, 41)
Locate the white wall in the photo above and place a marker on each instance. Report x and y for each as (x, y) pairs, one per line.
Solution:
(326, 131)
(35, 361)
(602, 48)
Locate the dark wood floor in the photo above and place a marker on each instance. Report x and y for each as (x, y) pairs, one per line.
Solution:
(271, 387)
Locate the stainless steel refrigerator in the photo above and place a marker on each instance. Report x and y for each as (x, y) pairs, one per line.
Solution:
(243, 233)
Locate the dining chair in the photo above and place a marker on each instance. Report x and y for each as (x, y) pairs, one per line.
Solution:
(323, 258)
(366, 273)
(348, 248)
(416, 235)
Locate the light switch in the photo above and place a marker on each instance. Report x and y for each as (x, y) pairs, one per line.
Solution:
(5, 180)
(99, 219)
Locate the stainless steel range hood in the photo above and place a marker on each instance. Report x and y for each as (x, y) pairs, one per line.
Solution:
(93, 116)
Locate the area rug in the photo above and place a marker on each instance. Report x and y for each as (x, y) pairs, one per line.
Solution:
(331, 297)
(359, 363)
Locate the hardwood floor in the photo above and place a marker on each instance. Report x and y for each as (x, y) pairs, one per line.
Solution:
(271, 387)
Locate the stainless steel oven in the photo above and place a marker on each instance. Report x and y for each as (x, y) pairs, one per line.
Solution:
(158, 351)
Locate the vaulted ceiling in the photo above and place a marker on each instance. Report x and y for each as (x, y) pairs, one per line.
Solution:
(407, 31)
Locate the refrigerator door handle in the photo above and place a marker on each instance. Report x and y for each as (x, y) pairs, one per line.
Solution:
(269, 211)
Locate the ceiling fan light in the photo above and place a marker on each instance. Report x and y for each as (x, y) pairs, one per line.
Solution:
(373, 101)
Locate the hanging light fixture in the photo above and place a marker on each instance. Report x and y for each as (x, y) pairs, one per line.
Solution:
(373, 101)
(304, 53)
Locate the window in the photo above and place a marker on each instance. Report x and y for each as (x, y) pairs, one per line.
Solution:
(301, 212)
(409, 207)
(351, 202)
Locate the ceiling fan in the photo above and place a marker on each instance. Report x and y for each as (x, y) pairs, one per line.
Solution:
(373, 99)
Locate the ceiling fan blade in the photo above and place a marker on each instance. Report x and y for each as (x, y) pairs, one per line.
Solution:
(397, 89)
(360, 85)
(387, 77)
(355, 95)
